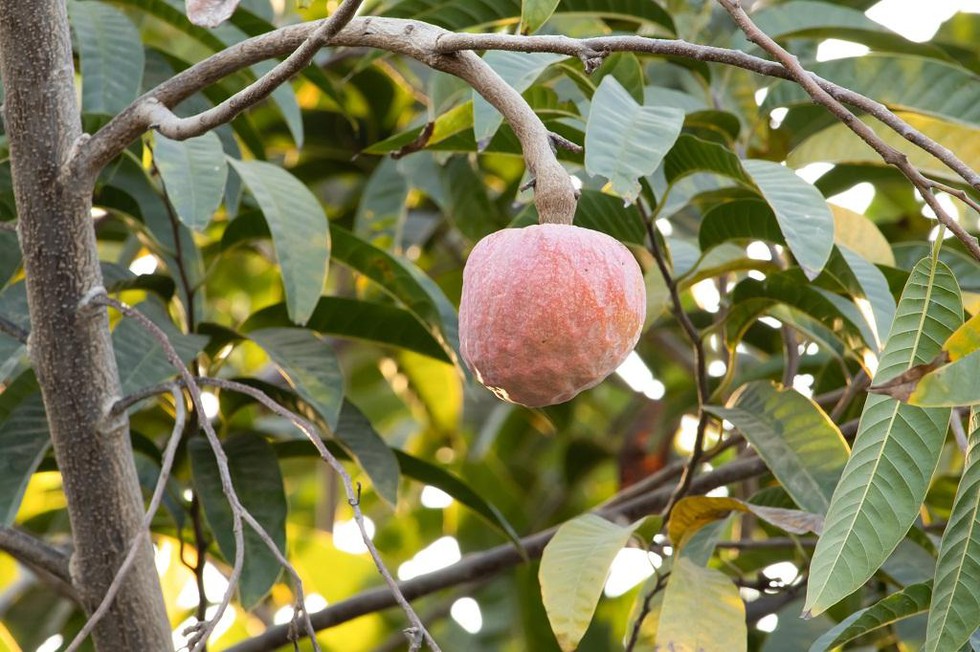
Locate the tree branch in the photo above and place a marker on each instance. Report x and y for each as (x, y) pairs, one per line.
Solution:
(44, 559)
(490, 562)
(888, 153)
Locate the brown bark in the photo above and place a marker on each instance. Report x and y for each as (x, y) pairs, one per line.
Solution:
(71, 348)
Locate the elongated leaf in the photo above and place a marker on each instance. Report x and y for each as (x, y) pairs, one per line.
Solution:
(701, 611)
(896, 450)
(951, 385)
(308, 363)
(111, 56)
(257, 480)
(573, 571)
(382, 323)
(300, 232)
(742, 219)
(382, 211)
(803, 215)
(418, 469)
(869, 283)
(372, 453)
(690, 155)
(692, 513)
(534, 13)
(910, 601)
(24, 439)
(141, 360)
(955, 612)
(402, 280)
(920, 84)
(861, 235)
(625, 141)
(965, 269)
(802, 447)
(519, 69)
(194, 172)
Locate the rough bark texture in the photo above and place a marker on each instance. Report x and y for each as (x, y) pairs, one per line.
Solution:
(71, 350)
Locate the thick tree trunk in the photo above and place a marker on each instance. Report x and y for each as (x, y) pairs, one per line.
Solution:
(71, 350)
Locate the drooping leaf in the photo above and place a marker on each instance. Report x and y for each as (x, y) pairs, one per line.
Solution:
(300, 232)
(625, 141)
(518, 69)
(954, 614)
(693, 513)
(692, 592)
(870, 285)
(257, 480)
(691, 155)
(372, 453)
(111, 56)
(800, 444)
(742, 219)
(402, 280)
(803, 215)
(24, 439)
(534, 13)
(910, 601)
(382, 211)
(381, 323)
(309, 364)
(896, 449)
(573, 571)
(194, 172)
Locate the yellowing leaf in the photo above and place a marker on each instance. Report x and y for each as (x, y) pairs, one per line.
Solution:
(573, 571)
(701, 612)
(859, 234)
(692, 513)
(964, 340)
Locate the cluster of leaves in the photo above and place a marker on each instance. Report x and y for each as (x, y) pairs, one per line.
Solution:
(296, 254)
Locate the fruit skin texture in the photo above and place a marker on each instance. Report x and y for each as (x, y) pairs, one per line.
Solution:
(548, 311)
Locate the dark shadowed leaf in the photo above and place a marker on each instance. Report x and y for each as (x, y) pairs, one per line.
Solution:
(372, 453)
(111, 56)
(908, 602)
(24, 439)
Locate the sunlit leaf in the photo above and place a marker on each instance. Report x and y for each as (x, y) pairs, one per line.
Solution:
(802, 447)
(194, 172)
(257, 480)
(693, 513)
(896, 449)
(800, 209)
(573, 571)
(861, 235)
(965, 340)
(534, 13)
(300, 232)
(625, 141)
(111, 56)
(692, 592)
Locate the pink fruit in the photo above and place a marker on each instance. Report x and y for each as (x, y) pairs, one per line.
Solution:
(548, 311)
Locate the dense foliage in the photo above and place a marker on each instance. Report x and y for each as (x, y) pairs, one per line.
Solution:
(313, 248)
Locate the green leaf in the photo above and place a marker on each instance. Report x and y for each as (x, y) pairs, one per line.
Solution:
(910, 601)
(951, 385)
(24, 440)
(381, 323)
(404, 281)
(691, 155)
(372, 453)
(194, 172)
(861, 235)
(955, 611)
(625, 141)
(599, 212)
(141, 360)
(9, 256)
(383, 208)
(309, 364)
(803, 215)
(797, 440)
(964, 267)
(534, 13)
(742, 219)
(257, 480)
(111, 56)
(300, 232)
(866, 282)
(896, 450)
(518, 69)
(573, 571)
(701, 611)
(418, 469)
(901, 82)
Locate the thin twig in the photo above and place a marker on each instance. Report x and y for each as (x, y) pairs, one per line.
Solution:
(700, 361)
(888, 153)
(40, 556)
(352, 494)
(240, 515)
(180, 415)
(645, 611)
(13, 330)
(858, 384)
